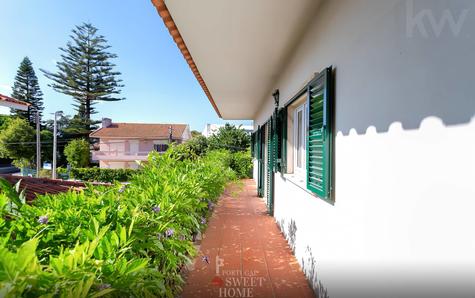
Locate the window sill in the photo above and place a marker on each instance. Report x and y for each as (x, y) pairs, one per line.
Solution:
(301, 183)
(297, 180)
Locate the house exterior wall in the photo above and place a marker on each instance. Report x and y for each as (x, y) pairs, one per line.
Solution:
(404, 145)
(119, 153)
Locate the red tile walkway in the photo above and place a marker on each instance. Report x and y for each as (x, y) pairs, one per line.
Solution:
(248, 255)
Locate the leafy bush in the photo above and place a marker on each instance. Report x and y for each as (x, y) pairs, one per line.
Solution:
(115, 241)
(102, 175)
(44, 173)
(198, 145)
(16, 136)
(231, 138)
(77, 153)
(241, 163)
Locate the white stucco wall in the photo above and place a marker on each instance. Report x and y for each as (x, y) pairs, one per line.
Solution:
(403, 217)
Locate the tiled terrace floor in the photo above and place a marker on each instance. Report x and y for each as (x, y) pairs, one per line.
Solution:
(248, 255)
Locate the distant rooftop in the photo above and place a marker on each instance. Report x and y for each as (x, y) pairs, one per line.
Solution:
(111, 129)
(11, 102)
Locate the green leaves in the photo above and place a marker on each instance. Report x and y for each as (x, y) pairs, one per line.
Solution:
(103, 175)
(112, 241)
(77, 153)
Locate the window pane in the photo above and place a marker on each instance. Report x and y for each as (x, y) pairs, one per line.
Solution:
(299, 139)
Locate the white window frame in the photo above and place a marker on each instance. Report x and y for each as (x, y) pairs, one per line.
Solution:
(301, 171)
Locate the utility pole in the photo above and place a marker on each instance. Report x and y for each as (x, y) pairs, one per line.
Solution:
(38, 144)
(55, 140)
(170, 134)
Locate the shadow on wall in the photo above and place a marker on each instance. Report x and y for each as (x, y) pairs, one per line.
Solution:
(406, 68)
(290, 232)
(451, 112)
(309, 265)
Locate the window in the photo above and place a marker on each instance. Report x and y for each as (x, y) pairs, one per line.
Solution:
(299, 147)
(305, 136)
(160, 147)
(293, 148)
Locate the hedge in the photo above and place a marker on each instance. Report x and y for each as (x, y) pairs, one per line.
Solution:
(115, 241)
(102, 175)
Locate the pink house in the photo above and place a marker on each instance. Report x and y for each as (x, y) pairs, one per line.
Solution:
(124, 145)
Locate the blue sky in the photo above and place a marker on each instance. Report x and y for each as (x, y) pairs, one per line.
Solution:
(159, 86)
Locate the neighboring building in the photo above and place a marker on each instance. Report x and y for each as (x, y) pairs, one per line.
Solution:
(10, 102)
(124, 145)
(211, 129)
(368, 166)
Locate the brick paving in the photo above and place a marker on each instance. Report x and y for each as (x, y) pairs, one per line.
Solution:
(248, 255)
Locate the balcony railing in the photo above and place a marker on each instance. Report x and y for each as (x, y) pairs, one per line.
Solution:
(119, 155)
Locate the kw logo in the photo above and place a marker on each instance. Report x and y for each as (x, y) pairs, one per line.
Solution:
(419, 21)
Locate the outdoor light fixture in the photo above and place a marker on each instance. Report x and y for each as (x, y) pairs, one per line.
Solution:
(276, 97)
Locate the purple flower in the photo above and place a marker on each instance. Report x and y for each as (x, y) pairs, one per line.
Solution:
(205, 259)
(156, 209)
(210, 205)
(103, 287)
(169, 232)
(203, 220)
(122, 188)
(43, 219)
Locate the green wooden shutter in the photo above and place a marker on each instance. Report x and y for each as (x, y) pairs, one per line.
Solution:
(270, 165)
(253, 144)
(281, 139)
(260, 161)
(319, 135)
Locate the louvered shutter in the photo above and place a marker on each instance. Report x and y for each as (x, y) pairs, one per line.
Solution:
(281, 139)
(253, 144)
(260, 165)
(270, 164)
(319, 135)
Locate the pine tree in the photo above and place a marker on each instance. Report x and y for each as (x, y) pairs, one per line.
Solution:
(86, 72)
(26, 88)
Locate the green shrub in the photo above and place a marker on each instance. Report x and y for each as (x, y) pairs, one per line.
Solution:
(102, 175)
(231, 138)
(241, 163)
(116, 241)
(77, 153)
(44, 173)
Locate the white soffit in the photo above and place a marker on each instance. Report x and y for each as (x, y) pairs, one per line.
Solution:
(240, 47)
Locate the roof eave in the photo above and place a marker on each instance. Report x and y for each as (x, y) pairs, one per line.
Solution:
(175, 33)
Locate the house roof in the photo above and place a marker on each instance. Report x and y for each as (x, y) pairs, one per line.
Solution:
(13, 103)
(139, 131)
(41, 186)
(238, 49)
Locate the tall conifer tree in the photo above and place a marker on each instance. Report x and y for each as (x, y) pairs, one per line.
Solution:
(26, 88)
(86, 72)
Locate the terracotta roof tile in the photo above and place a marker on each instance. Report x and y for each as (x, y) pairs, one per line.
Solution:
(139, 130)
(41, 186)
(13, 100)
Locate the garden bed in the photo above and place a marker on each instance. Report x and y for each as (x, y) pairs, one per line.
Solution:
(116, 241)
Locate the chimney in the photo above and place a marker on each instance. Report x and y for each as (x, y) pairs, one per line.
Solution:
(106, 122)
